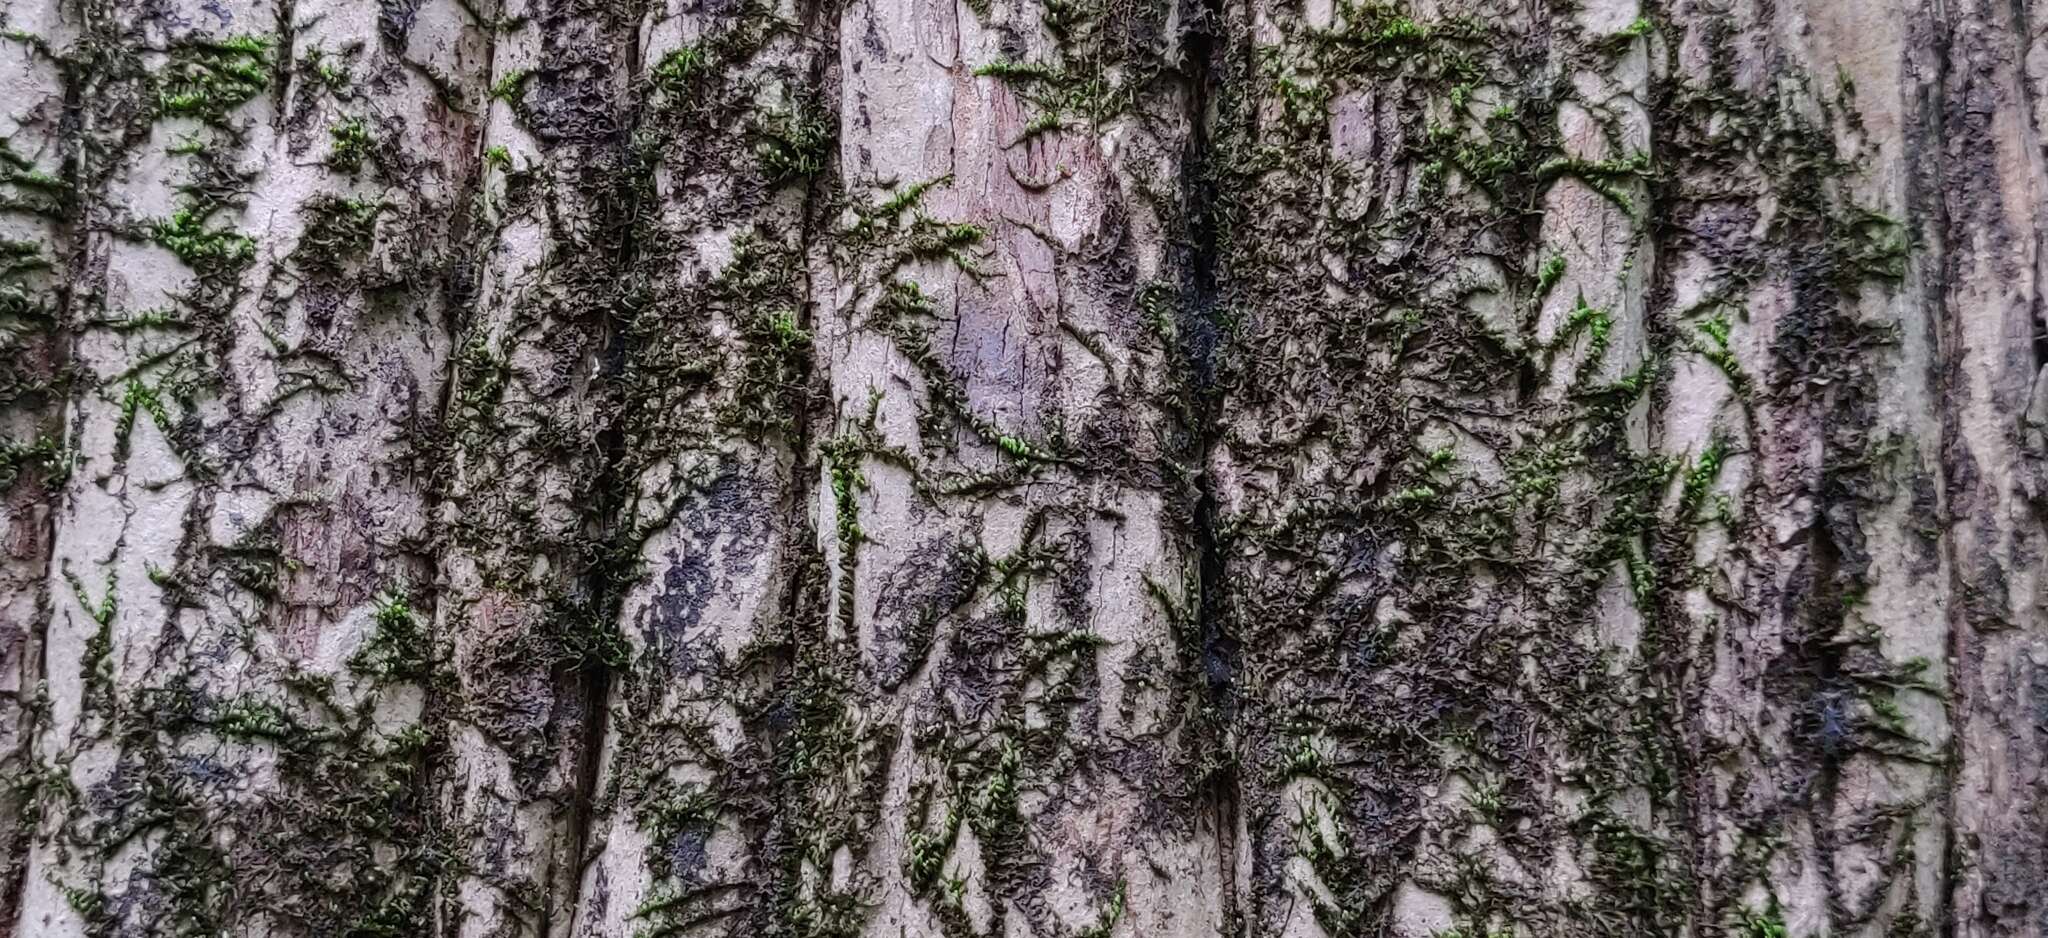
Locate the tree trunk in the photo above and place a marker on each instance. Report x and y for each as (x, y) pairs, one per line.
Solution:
(610, 468)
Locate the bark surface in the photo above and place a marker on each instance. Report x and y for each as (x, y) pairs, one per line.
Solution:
(1054, 468)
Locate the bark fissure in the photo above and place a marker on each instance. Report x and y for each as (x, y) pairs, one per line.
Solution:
(618, 563)
(1207, 42)
(1930, 183)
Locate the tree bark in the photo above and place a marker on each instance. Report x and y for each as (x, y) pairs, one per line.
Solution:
(606, 468)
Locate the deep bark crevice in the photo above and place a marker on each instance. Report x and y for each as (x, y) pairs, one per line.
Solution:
(1201, 324)
(605, 585)
(1941, 269)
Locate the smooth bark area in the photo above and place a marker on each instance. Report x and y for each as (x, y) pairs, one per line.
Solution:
(1058, 468)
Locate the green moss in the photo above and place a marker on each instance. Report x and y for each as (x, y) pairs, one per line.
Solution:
(1768, 922)
(682, 382)
(783, 326)
(338, 230)
(324, 67)
(187, 145)
(249, 718)
(1890, 717)
(1487, 804)
(1596, 323)
(582, 630)
(138, 398)
(1042, 124)
(481, 373)
(995, 815)
(903, 314)
(1868, 246)
(206, 250)
(1699, 480)
(90, 904)
(1307, 760)
(675, 71)
(1088, 91)
(1105, 923)
(1340, 906)
(1534, 472)
(924, 855)
(677, 810)
(795, 143)
(253, 562)
(1549, 274)
(890, 211)
(1017, 448)
(96, 662)
(1018, 71)
(1160, 302)
(43, 457)
(36, 192)
(208, 79)
(1608, 177)
(1715, 330)
(339, 840)
(843, 463)
(164, 318)
(353, 144)
(884, 232)
(1396, 30)
(19, 258)
(511, 86)
(399, 647)
(1412, 497)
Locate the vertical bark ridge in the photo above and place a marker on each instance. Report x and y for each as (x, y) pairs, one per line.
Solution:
(529, 575)
(709, 403)
(1817, 718)
(1992, 389)
(1433, 472)
(1006, 715)
(37, 225)
(232, 738)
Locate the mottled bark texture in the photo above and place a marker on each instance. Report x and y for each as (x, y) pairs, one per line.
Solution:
(1055, 468)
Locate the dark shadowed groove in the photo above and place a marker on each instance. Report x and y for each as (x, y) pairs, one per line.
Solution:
(799, 590)
(1202, 323)
(1946, 379)
(612, 572)
(1927, 191)
(612, 575)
